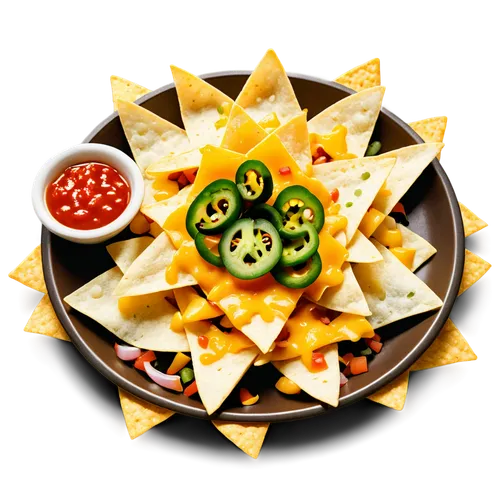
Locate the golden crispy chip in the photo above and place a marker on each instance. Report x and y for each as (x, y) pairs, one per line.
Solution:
(431, 129)
(44, 321)
(126, 90)
(474, 268)
(247, 437)
(393, 395)
(363, 76)
(140, 416)
(472, 223)
(30, 271)
(449, 347)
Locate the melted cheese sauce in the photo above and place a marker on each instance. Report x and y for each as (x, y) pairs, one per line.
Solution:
(334, 144)
(221, 343)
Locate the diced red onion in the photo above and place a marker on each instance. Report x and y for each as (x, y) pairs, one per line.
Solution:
(127, 352)
(343, 379)
(172, 382)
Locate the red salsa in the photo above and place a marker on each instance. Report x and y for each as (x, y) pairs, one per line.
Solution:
(88, 196)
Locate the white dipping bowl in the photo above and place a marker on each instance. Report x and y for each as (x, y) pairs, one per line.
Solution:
(85, 153)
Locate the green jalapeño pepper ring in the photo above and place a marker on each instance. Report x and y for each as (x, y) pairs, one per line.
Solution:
(254, 181)
(214, 209)
(298, 251)
(300, 276)
(297, 205)
(249, 249)
(264, 211)
(205, 252)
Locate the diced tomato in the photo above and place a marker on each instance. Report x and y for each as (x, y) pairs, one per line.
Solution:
(348, 357)
(182, 181)
(191, 389)
(346, 371)
(325, 320)
(203, 341)
(374, 345)
(358, 365)
(147, 356)
(191, 175)
(335, 195)
(285, 170)
(174, 176)
(399, 208)
(318, 362)
(376, 337)
(246, 397)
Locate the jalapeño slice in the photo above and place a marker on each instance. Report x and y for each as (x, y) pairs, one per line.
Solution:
(254, 181)
(297, 205)
(214, 209)
(205, 252)
(264, 211)
(299, 276)
(249, 249)
(297, 251)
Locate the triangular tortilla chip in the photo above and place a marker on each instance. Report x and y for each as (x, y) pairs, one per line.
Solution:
(126, 90)
(30, 271)
(361, 249)
(125, 252)
(268, 90)
(411, 161)
(362, 77)
(204, 108)
(423, 249)
(472, 223)
(474, 269)
(247, 437)
(431, 129)
(160, 211)
(358, 113)
(356, 191)
(217, 380)
(147, 273)
(324, 385)
(147, 325)
(149, 136)
(140, 416)
(393, 395)
(242, 132)
(177, 163)
(295, 137)
(449, 347)
(347, 297)
(44, 321)
(392, 291)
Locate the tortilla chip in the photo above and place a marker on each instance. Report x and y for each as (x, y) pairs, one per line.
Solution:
(125, 252)
(44, 321)
(200, 105)
(149, 325)
(411, 161)
(361, 249)
(295, 137)
(362, 77)
(147, 273)
(355, 194)
(160, 211)
(431, 129)
(268, 90)
(472, 223)
(393, 395)
(177, 163)
(126, 90)
(149, 136)
(474, 268)
(217, 380)
(242, 132)
(358, 113)
(392, 291)
(140, 416)
(347, 297)
(324, 385)
(30, 271)
(247, 437)
(449, 347)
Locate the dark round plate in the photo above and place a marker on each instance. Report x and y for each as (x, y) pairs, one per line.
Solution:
(433, 212)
